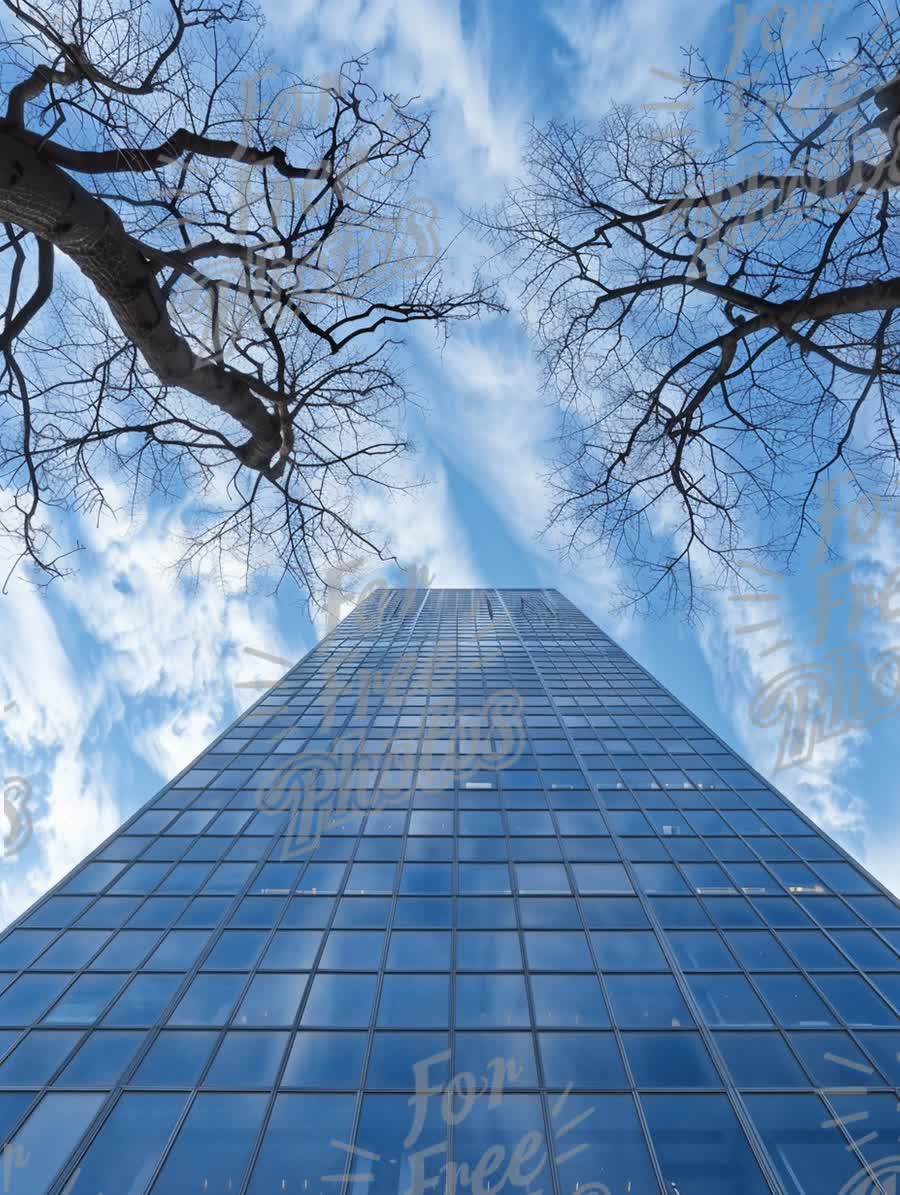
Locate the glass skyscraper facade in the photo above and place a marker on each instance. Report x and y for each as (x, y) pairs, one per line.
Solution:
(467, 902)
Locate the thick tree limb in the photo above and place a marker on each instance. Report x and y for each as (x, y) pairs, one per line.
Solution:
(38, 196)
(155, 157)
(156, 153)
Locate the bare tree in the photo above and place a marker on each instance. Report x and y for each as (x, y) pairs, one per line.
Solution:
(208, 260)
(719, 322)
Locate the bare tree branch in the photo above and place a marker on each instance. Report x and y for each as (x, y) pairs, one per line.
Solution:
(716, 320)
(245, 241)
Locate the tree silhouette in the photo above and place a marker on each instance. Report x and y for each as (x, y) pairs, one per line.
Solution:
(717, 314)
(208, 262)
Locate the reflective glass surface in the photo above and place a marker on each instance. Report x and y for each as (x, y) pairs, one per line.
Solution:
(467, 900)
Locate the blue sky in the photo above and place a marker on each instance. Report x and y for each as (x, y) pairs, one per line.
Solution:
(118, 676)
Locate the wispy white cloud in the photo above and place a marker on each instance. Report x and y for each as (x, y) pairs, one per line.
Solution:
(425, 530)
(48, 707)
(870, 541)
(743, 667)
(499, 431)
(40, 692)
(183, 644)
(419, 51)
(630, 53)
(744, 664)
(429, 542)
(118, 682)
(81, 809)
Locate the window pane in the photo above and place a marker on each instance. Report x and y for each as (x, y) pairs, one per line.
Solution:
(340, 1001)
(72, 950)
(558, 950)
(484, 912)
(664, 877)
(12, 1105)
(208, 1001)
(760, 1060)
(49, 1135)
(622, 912)
(888, 986)
(247, 1059)
(793, 1001)
(541, 877)
(809, 1153)
(670, 1060)
(352, 950)
(885, 1049)
(833, 1060)
(296, 1153)
(236, 950)
(549, 912)
(414, 1001)
(101, 1059)
(371, 877)
(413, 912)
(758, 950)
(390, 1134)
(175, 1059)
(308, 911)
(728, 1000)
(143, 1000)
(125, 1152)
(698, 950)
(871, 1121)
(292, 950)
(484, 877)
(496, 1061)
(126, 950)
(813, 949)
(271, 1000)
(36, 1057)
(647, 1001)
(482, 951)
(700, 1145)
(324, 877)
(213, 1146)
(528, 822)
(680, 912)
(601, 877)
(569, 1001)
(598, 1139)
(582, 1060)
(479, 822)
(426, 878)
(320, 1059)
(501, 1127)
(855, 1001)
(419, 951)
(485, 1000)
(866, 950)
(85, 1000)
(178, 951)
(22, 945)
(395, 1055)
(628, 951)
(57, 911)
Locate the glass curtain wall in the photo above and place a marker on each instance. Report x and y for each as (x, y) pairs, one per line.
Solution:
(466, 902)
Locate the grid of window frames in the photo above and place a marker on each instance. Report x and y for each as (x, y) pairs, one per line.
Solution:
(636, 964)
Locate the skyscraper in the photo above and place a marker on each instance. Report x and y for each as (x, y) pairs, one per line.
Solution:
(466, 902)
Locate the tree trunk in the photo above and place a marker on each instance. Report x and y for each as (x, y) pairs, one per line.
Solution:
(42, 199)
